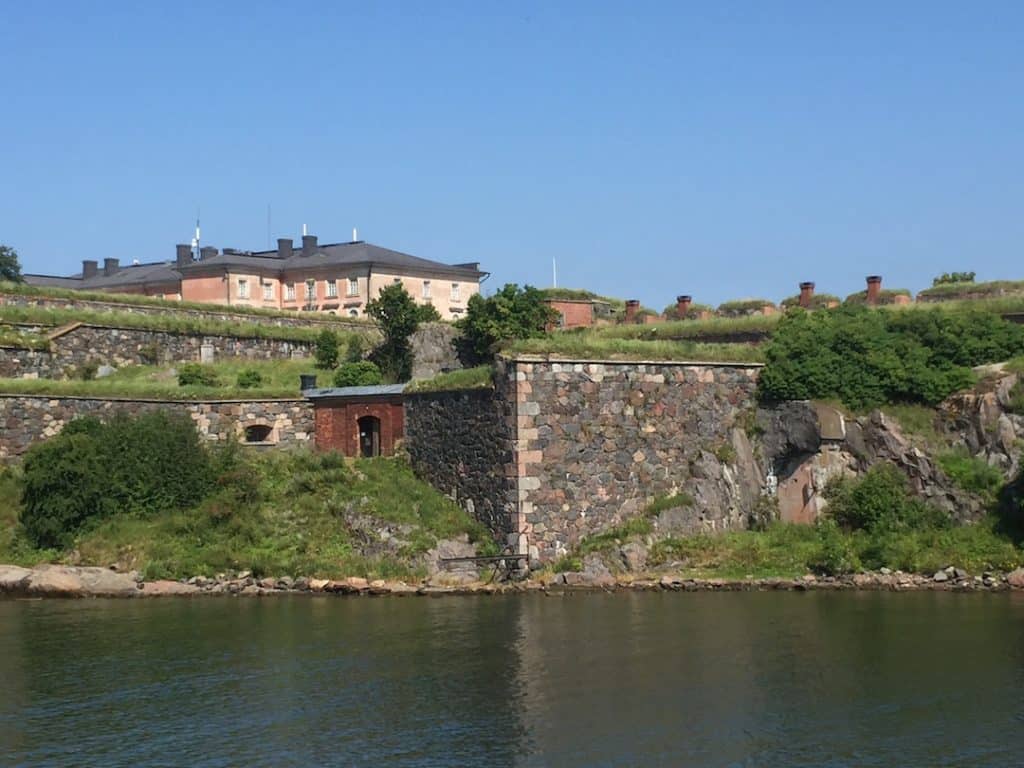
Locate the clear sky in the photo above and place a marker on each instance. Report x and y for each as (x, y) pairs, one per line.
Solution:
(721, 149)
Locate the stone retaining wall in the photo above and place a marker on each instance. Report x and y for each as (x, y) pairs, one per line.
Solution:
(26, 419)
(461, 443)
(132, 346)
(596, 442)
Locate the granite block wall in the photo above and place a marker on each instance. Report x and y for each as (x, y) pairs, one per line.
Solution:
(27, 419)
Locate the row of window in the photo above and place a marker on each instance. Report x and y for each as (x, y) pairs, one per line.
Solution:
(352, 286)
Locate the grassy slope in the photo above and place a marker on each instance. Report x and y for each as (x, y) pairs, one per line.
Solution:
(172, 323)
(589, 346)
(296, 525)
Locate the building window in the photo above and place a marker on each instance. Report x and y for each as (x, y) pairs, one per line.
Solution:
(268, 291)
(426, 289)
(353, 286)
(289, 291)
(259, 433)
(311, 289)
(243, 289)
(332, 289)
(353, 313)
(456, 292)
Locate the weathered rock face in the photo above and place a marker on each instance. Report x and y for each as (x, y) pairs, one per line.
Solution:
(26, 419)
(981, 422)
(433, 349)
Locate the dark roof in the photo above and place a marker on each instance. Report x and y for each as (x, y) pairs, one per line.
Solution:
(369, 391)
(337, 255)
(127, 275)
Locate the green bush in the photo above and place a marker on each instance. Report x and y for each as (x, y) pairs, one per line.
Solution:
(951, 278)
(397, 317)
(867, 357)
(427, 313)
(881, 502)
(136, 465)
(87, 371)
(249, 378)
(194, 374)
(326, 351)
(355, 349)
(510, 314)
(361, 374)
(1017, 399)
(973, 474)
(836, 554)
(149, 354)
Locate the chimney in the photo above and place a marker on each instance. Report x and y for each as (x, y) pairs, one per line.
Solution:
(89, 269)
(806, 294)
(207, 252)
(874, 289)
(683, 306)
(110, 267)
(308, 245)
(284, 247)
(183, 255)
(307, 381)
(632, 307)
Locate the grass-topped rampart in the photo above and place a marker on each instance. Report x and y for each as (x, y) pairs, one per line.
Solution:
(588, 345)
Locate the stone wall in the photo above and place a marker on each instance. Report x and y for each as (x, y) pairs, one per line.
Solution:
(461, 443)
(283, 320)
(83, 343)
(27, 419)
(596, 442)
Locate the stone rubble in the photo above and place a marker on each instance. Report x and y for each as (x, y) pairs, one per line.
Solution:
(81, 582)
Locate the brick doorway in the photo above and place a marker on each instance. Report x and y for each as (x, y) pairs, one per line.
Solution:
(369, 436)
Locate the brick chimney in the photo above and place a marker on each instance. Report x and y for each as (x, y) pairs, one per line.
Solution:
(806, 294)
(683, 305)
(207, 252)
(308, 245)
(110, 267)
(874, 289)
(89, 268)
(182, 255)
(632, 307)
(284, 247)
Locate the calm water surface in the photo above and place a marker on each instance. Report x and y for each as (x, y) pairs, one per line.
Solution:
(641, 679)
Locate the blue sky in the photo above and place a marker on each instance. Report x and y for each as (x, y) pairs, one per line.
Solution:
(722, 149)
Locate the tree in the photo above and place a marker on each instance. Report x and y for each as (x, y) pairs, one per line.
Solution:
(326, 352)
(397, 317)
(427, 313)
(512, 313)
(361, 374)
(10, 269)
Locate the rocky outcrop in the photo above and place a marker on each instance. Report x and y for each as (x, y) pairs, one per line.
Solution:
(434, 350)
(66, 581)
(981, 421)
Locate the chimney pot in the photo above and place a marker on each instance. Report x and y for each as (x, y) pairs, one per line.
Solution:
(307, 381)
(89, 268)
(110, 267)
(183, 254)
(874, 288)
(207, 252)
(683, 305)
(284, 247)
(308, 245)
(632, 307)
(806, 293)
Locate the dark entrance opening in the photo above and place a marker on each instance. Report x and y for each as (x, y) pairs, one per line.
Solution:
(369, 436)
(258, 433)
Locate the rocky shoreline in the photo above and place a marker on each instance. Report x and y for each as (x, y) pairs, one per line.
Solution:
(49, 581)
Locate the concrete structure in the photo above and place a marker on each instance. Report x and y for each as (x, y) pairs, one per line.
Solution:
(338, 278)
(359, 421)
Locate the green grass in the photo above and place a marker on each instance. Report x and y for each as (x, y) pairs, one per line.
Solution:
(991, 288)
(787, 551)
(300, 523)
(480, 377)
(917, 422)
(589, 346)
(12, 336)
(22, 289)
(818, 301)
(744, 305)
(279, 378)
(661, 503)
(57, 316)
(973, 474)
(689, 330)
(577, 294)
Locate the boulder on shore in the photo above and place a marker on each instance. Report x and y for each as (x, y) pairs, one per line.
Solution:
(66, 581)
